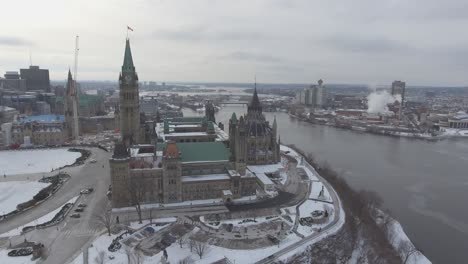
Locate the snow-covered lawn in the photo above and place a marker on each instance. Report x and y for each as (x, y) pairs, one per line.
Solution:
(301, 162)
(13, 193)
(306, 209)
(35, 161)
(175, 253)
(4, 258)
(309, 206)
(215, 253)
(78, 260)
(102, 243)
(43, 219)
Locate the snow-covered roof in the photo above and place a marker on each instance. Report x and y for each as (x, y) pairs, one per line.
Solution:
(227, 192)
(207, 177)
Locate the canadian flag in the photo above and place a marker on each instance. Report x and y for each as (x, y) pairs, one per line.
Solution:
(129, 28)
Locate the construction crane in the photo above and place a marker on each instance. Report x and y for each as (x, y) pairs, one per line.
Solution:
(76, 130)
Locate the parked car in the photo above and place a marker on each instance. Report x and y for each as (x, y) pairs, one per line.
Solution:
(82, 205)
(75, 215)
(79, 210)
(87, 191)
(93, 161)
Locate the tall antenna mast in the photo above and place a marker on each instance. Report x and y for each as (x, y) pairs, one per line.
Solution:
(76, 131)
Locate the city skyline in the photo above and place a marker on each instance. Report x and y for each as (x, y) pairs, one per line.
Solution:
(280, 41)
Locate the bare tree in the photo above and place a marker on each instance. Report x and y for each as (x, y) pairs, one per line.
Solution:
(406, 250)
(180, 232)
(191, 244)
(137, 190)
(105, 220)
(101, 256)
(139, 257)
(134, 256)
(200, 248)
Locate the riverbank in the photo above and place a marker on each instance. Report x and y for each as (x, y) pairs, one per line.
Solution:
(371, 234)
(447, 133)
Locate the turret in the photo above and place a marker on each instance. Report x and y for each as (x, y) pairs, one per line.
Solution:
(119, 170)
(275, 128)
(172, 172)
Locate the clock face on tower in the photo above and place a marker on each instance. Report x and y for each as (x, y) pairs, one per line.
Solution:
(128, 79)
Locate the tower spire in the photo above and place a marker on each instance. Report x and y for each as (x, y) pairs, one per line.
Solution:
(255, 103)
(128, 59)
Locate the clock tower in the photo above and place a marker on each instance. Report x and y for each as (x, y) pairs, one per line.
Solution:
(129, 100)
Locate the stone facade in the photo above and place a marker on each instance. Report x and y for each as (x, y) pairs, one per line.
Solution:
(252, 140)
(47, 134)
(166, 178)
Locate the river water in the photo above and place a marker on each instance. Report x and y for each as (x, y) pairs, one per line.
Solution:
(424, 184)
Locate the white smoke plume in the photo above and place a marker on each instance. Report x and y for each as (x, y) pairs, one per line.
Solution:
(377, 101)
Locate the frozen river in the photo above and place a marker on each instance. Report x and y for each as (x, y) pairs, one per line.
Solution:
(424, 184)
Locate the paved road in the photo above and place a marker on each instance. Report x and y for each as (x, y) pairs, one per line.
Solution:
(64, 240)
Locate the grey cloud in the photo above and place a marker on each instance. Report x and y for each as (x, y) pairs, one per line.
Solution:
(363, 44)
(200, 33)
(181, 34)
(252, 56)
(13, 41)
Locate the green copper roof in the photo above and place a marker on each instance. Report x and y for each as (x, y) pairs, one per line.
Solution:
(128, 60)
(88, 100)
(201, 151)
(210, 128)
(234, 118)
(185, 119)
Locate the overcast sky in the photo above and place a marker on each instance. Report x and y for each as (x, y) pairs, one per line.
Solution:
(424, 42)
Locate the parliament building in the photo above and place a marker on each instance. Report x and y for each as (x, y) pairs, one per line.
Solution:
(186, 158)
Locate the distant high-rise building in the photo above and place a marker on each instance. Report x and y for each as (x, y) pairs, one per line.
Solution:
(313, 96)
(13, 81)
(129, 100)
(36, 79)
(398, 88)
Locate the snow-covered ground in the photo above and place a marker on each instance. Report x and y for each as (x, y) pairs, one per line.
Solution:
(35, 161)
(13, 193)
(306, 209)
(175, 253)
(5, 259)
(43, 219)
(102, 243)
(455, 132)
(301, 162)
(399, 237)
(316, 189)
